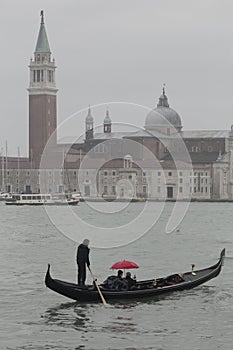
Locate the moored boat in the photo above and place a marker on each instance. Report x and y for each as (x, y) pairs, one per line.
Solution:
(5, 195)
(42, 199)
(143, 289)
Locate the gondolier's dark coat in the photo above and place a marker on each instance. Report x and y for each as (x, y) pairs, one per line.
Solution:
(83, 254)
(82, 261)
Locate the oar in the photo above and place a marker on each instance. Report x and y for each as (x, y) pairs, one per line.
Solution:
(98, 288)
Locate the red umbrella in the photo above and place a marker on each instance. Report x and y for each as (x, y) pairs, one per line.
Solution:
(124, 264)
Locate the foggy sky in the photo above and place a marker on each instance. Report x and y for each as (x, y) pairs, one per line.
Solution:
(120, 50)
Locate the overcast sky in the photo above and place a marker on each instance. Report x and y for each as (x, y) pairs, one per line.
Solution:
(120, 50)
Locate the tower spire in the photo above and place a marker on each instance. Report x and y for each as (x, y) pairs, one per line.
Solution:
(107, 122)
(164, 89)
(42, 16)
(89, 121)
(163, 100)
(42, 45)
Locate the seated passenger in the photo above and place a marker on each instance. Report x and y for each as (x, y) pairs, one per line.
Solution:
(108, 282)
(119, 274)
(115, 282)
(131, 282)
(120, 283)
(174, 279)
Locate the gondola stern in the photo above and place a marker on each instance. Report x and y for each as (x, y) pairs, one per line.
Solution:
(223, 254)
(47, 276)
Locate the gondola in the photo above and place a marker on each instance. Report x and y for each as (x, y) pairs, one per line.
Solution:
(143, 289)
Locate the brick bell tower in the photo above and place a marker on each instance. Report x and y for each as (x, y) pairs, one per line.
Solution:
(42, 98)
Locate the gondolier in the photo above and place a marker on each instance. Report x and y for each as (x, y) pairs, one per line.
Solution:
(83, 260)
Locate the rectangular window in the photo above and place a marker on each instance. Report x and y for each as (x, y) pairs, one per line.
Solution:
(113, 173)
(114, 189)
(38, 76)
(181, 174)
(49, 76)
(159, 189)
(105, 173)
(42, 75)
(169, 173)
(206, 189)
(180, 189)
(159, 173)
(199, 182)
(195, 189)
(181, 181)
(105, 189)
(34, 76)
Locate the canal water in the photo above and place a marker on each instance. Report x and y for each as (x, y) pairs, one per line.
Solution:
(34, 317)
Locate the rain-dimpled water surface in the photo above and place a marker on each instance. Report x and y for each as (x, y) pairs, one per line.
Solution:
(34, 317)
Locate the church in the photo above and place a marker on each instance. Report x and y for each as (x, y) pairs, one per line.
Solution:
(160, 161)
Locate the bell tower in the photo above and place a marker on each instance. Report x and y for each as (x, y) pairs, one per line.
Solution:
(42, 98)
(107, 123)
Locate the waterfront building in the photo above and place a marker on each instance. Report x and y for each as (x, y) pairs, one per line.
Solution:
(116, 163)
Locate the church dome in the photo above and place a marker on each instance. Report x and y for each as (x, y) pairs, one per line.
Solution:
(163, 116)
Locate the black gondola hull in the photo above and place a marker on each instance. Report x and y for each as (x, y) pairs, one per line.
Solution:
(145, 289)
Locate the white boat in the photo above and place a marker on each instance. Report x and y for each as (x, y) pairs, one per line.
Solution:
(5, 195)
(42, 199)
